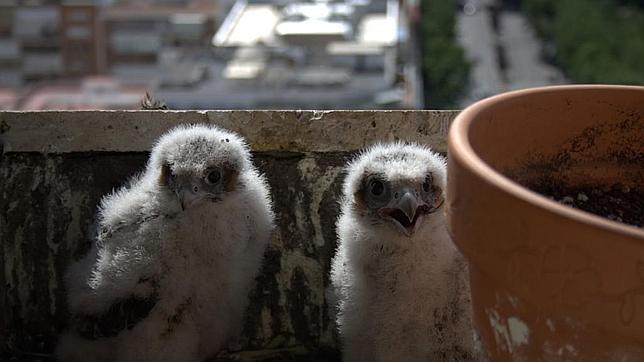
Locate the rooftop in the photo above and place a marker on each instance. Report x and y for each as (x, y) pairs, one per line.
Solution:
(154, 9)
(248, 25)
(8, 99)
(255, 23)
(312, 54)
(91, 93)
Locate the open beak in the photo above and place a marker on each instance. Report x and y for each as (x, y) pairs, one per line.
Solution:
(405, 211)
(408, 205)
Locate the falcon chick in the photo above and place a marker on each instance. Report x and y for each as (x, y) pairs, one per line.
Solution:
(402, 286)
(177, 251)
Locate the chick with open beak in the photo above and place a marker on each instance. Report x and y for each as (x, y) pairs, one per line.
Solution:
(402, 201)
(396, 273)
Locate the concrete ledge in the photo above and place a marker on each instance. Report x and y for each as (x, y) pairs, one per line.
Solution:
(297, 131)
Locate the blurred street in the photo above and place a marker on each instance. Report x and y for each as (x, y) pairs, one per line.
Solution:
(503, 49)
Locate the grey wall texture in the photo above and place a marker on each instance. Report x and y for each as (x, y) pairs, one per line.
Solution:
(55, 167)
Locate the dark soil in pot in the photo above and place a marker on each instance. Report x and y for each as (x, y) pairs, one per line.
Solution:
(598, 170)
(615, 202)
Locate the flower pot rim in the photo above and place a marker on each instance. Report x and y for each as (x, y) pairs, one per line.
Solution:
(461, 149)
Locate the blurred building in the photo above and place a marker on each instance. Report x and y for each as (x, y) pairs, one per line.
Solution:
(8, 99)
(90, 93)
(306, 55)
(10, 62)
(54, 39)
(138, 31)
(82, 42)
(36, 30)
(10, 50)
(207, 54)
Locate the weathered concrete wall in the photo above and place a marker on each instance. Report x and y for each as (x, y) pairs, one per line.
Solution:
(55, 166)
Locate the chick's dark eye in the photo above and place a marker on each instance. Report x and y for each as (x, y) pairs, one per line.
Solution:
(427, 185)
(376, 187)
(213, 176)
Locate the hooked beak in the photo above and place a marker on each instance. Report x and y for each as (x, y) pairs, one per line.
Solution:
(405, 211)
(180, 194)
(186, 197)
(408, 205)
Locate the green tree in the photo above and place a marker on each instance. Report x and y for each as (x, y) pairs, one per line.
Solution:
(596, 41)
(445, 70)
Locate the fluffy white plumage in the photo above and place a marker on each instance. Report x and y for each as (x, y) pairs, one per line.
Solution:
(176, 254)
(401, 285)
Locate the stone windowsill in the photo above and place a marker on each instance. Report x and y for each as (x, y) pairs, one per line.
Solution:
(297, 131)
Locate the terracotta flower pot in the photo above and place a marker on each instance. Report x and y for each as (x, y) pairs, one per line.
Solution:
(550, 282)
